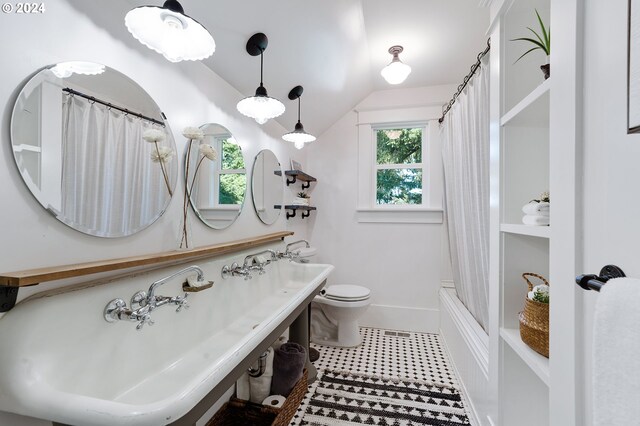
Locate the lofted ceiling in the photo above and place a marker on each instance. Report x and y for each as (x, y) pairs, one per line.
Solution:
(336, 48)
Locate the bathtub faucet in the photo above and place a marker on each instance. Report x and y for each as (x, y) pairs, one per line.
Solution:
(143, 303)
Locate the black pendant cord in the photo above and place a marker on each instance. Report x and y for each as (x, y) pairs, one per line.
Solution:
(72, 92)
(261, 64)
(298, 109)
(466, 80)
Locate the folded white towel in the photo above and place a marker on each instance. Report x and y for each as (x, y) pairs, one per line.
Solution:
(242, 387)
(261, 386)
(535, 220)
(536, 209)
(616, 345)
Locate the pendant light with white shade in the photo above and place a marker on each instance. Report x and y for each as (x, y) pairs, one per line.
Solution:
(170, 32)
(261, 107)
(397, 71)
(299, 137)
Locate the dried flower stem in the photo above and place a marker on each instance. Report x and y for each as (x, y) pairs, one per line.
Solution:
(185, 204)
(164, 171)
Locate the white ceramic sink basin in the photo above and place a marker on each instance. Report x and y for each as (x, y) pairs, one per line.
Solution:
(61, 361)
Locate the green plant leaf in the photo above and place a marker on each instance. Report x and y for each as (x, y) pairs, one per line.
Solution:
(527, 52)
(546, 35)
(537, 35)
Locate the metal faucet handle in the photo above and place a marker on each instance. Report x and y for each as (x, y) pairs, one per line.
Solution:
(146, 319)
(182, 303)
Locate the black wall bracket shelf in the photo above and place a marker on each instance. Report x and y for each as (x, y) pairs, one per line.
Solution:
(8, 297)
(306, 210)
(297, 175)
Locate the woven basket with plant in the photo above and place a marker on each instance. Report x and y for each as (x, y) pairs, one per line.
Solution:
(534, 319)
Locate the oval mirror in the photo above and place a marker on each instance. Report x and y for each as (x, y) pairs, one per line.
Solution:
(267, 187)
(94, 149)
(217, 183)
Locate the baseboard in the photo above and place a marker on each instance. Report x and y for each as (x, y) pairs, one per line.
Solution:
(401, 318)
(468, 347)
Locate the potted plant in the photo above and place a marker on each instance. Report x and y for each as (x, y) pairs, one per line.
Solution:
(302, 199)
(541, 41)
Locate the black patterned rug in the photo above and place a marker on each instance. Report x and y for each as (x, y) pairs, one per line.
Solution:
(343, 398)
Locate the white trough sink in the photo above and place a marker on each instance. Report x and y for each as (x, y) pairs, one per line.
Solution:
(61, 361)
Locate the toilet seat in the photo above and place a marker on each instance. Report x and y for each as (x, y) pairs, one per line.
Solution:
(346, 293)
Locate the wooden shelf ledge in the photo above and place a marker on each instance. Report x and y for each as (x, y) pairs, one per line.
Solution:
(297, 175)
(41, 275)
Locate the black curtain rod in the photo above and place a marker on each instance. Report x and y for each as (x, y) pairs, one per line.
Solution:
(110, 105)
(474, 68)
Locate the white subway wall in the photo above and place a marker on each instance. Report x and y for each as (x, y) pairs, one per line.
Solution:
(402, 264)
(190, 94)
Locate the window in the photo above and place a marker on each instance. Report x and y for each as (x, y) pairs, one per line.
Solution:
(232, 178)
(399, 170)
(399, 166)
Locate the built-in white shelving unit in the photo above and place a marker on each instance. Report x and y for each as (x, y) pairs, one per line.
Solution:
(534, 148)
(523, 171)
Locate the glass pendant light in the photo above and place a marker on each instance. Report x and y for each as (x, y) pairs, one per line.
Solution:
(170, 32)
(260, 107)
(397, 71)
(299, 137)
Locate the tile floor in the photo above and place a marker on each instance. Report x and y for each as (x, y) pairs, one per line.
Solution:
(418, 356)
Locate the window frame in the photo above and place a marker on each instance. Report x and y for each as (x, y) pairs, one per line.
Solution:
(422, 165)
(367, 123)
(214, 195)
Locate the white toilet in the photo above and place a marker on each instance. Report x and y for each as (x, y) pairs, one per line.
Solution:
(335, 313)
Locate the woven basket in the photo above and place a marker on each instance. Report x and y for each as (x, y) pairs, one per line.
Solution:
(238, 412)
(534, 320)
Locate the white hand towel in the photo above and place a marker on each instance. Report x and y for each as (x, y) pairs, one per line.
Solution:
(261, 386)
(536, 209)
(535, 220)
(242, 387)
(616, 345)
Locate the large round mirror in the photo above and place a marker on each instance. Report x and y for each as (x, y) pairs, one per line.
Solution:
(267, 187)
(216, 176)
(94, 149)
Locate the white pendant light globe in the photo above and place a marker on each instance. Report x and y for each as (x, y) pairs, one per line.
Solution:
(397, 71)
(298, 137)
(260, 107)
(67, 69)
(170, 32)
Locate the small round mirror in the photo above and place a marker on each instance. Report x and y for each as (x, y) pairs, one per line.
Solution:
(216, 176)
(94, 149)
(267, 187)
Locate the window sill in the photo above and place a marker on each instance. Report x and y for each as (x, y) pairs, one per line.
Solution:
(399, 215)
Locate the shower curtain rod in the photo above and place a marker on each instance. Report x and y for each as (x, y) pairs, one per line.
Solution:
(110, 105)
(474, 68)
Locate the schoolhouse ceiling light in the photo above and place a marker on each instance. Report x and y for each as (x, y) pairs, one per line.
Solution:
(397, 71)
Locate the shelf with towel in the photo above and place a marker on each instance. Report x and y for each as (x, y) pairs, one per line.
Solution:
(530, 230)
(297, 175)
(538, 364)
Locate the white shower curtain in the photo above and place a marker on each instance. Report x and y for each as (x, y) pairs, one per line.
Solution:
(110, 186)
(465, 152)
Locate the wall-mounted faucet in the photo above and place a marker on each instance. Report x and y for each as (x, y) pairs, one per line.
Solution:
(253, 262)
(143, 303)
(288, 254)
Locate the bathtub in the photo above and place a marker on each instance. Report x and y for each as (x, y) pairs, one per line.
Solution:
(61, 361)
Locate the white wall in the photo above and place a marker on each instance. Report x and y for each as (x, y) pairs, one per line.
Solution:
(189, 94)
(611, 205)
(400, 263)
